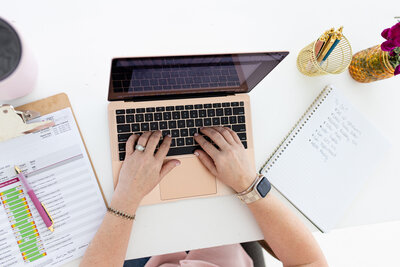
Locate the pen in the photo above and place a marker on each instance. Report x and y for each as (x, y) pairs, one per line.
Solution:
(48, 221)
(337, 37)
(329, 42)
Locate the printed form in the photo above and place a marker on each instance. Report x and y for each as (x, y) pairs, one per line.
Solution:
(57, 167)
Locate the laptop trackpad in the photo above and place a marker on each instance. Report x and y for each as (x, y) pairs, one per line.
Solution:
(190, 179)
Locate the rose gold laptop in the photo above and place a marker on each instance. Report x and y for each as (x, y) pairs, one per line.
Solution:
(178, 95)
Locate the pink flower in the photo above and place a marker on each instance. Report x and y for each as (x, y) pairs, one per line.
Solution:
(392, 36)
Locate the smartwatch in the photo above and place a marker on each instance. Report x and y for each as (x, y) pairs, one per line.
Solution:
(257, 190)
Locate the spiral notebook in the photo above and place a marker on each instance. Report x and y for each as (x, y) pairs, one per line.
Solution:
(324, 161)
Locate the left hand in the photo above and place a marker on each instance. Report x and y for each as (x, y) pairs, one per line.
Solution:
(143, 170)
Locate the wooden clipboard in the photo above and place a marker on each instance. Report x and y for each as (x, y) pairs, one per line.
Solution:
(54, 103)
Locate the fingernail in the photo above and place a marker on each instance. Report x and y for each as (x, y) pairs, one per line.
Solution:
(196, 153)
(196, 134)
(169, 135)
(178, 163)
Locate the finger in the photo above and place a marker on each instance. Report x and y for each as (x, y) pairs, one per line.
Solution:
(206, 146)
(168, 166)
(206, 161)
(226, 134)
(153, 142)
(235, 136)
(215, 136)
(143, 139)
(164, 148)
(129, 147)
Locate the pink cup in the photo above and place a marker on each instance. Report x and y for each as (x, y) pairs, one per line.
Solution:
(18, 68)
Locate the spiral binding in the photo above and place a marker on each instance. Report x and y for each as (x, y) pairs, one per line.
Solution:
(314, 105)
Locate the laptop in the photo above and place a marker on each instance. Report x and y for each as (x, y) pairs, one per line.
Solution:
(178, 95)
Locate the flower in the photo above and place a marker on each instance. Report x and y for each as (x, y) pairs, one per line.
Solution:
(397, 70)
(392, 36)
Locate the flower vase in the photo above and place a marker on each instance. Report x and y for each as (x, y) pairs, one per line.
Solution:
(371, 65)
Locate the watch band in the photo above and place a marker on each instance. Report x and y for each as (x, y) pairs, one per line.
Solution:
(251, 194)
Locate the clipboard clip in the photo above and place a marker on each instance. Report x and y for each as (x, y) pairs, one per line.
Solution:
(13, 123)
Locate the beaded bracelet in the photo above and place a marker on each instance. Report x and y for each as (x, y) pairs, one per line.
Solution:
(121, 214)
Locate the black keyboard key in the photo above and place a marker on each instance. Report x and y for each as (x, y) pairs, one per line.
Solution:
(189, 123)
(232, 120)
(180, 142)
(244, 144)
(123, 137)
(139, 117)
(189, 141)
(185, 114)
(202, 113)
(234, 104)
(130, 118)
(140, 110)
(238, 111)
(123, 128)
(242, 136)
(182, 150)
(228, 111)
(130, 111)
(176, 115)
(171, 124)
(135, 127)
(121, 147)
(173, 142)
(207, 106)
(165, 133)
(241, 103)
(216, 121)
(148, 117)
(241, 119)
(210, 112)
(157, 116)
(160, 108)
(199, 106)
(192, 131)
(181, 124)
(219, 112)
(144, 127)
(153, 126)
(207, 122)
(120, 111)
(239, 128)
(120, 119)
(167, 116)
(199, 122)
(194, 114)
(163, 125)
(150, 109)
(175, 133)
(226, 104)
(179, 108)
(169, 108)
(216, 105)
(184, 132)
(189, 107)
(224, 120)
(122, 156)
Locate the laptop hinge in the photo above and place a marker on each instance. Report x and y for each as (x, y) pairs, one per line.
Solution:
(174, 97)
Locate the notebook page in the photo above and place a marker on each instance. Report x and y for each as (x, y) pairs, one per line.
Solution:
(325, 165)
(58, 169)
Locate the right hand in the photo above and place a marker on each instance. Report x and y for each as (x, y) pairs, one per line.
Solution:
(229, 163)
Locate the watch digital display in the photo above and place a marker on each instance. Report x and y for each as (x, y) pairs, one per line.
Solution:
(263, 187)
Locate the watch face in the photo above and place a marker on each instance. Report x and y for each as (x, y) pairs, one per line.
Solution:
(263, 187)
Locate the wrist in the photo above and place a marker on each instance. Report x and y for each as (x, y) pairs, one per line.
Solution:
(245, 183)
(123, 201)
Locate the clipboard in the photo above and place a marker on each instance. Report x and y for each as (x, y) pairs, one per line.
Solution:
(54, 103)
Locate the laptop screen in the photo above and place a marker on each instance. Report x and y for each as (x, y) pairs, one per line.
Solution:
(155, 76)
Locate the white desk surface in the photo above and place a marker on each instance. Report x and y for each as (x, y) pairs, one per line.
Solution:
(74, 42)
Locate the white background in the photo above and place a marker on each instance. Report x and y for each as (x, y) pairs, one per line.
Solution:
(74, 42)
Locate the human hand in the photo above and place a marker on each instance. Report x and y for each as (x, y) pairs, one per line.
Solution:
(143, 170)
(229, 163)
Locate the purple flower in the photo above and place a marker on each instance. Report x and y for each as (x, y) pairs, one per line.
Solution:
(397, 70)
(392, 36)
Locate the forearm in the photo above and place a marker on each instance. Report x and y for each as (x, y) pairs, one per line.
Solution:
(288, 237)
(109, 245)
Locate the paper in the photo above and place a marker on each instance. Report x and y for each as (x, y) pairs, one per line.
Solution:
(325, 162)
(57, 167)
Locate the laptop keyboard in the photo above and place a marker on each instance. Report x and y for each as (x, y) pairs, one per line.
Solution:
(181, 122)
